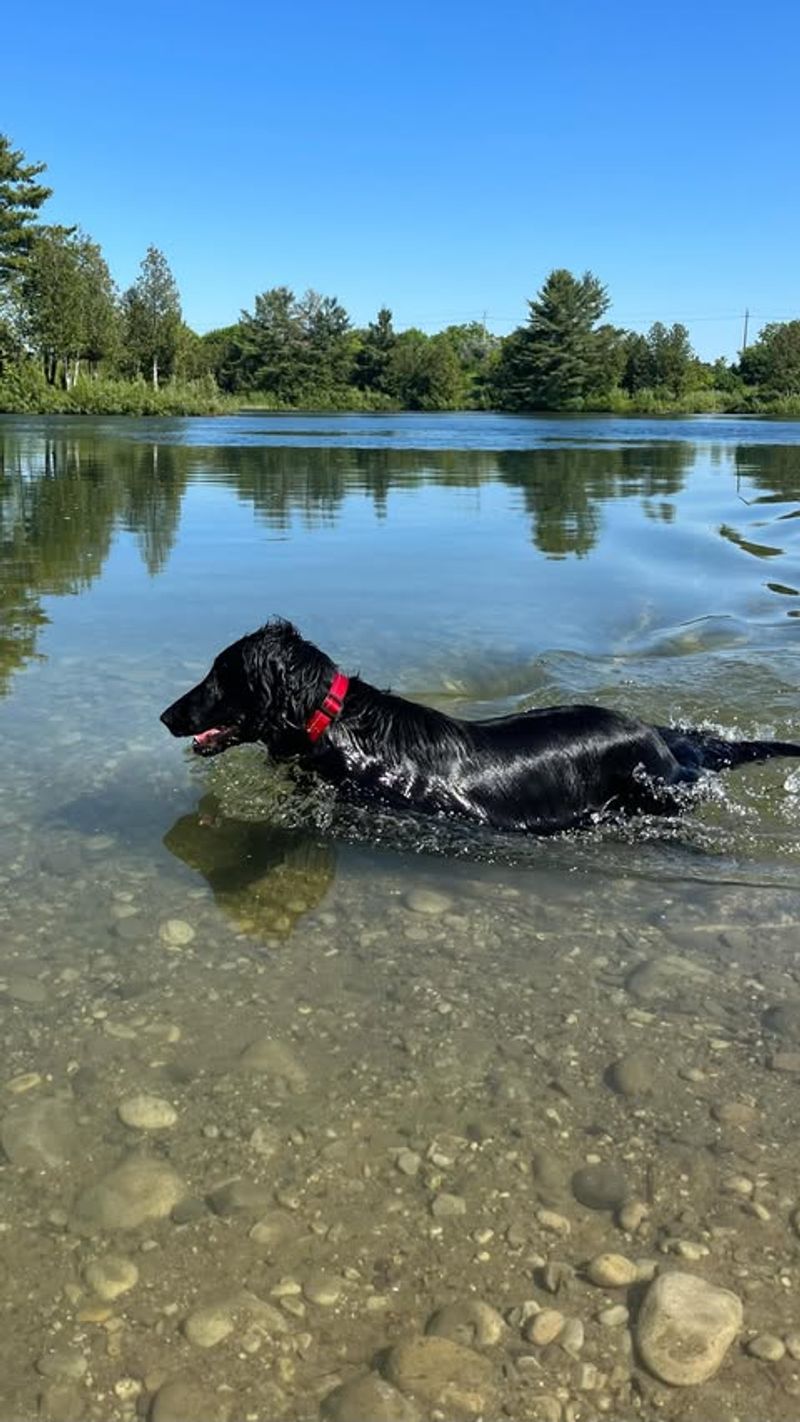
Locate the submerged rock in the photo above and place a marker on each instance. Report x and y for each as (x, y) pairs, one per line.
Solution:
(137, 1191)
(442, 1374)
(685, 1328)
(39, 1134)
(368, 1399)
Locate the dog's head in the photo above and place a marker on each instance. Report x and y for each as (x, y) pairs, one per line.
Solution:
(261, 688)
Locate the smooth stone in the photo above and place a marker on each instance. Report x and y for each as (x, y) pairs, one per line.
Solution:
(468, 1321)
(442, 1374)
(39, 1135)
(189, 1209)
(447, 1207)
(241, 1196)
(545, 1327)
(147, 1113)
(633, 1075)
(276, 1061)
(323, 1290)
(572, 1336)
(274, 1229)
(785, 1061)
(137, 1191)
(600, 1187)
(63, 1362)
(685, 1328)
(181, 1400)
(735, 1113)
(766, 1346)
(111, 1276)
(176, 932)
(367, 1399)
(427, 901)
(408, 1162)
(551, 1177)
(211, 1323)
(613, 1317)
(612, 1271)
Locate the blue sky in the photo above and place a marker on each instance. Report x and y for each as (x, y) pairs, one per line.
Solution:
(440, 158)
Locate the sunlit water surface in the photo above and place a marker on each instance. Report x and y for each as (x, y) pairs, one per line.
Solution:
(431, 982)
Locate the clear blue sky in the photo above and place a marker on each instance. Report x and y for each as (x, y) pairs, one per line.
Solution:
(440, 158)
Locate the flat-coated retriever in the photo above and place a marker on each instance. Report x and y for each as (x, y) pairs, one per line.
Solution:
(541, 771)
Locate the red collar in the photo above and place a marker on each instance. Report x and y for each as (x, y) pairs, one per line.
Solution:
(319, 722)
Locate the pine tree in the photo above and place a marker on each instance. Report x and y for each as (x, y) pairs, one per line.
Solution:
(20, 199)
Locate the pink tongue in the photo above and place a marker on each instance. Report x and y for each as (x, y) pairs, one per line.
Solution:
(205, 737)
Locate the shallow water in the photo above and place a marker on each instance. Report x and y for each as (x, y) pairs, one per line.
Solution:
(458, 998)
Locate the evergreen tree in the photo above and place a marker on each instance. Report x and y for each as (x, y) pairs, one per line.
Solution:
(557, 359)
(152, 310)
(20, 199)
(372, 361)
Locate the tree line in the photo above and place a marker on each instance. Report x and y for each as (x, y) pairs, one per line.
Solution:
(70, 339)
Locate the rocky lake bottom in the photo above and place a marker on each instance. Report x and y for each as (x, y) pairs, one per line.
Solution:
(434, 1144)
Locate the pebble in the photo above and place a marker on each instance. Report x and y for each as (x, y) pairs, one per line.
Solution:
(39, 1134)
(446, 1206)
(241, 1196)
(685, 1327)
(667, 976)
(632, 1216)
(612, 1271)
(27, 990)
(323, 1290)
(545, 1327)
(634, 1074)
(792, 1341)
(175, 933)
(766, 1346)
(735, 1113)
(183, 1400)
(427, 901)
(138, 1190)
(441, 1374)
(572, 1336)
(211, 1323)
(63, 1362)
(408, 1162)
(614, 1316)
(785, 1061)
(62, 1401)
(111, 1276)
(147, 1113)
(600, 1187)
(468, 1321)
(276, 1061)
(273, 1228)
(554, 1222)
(367, 1399)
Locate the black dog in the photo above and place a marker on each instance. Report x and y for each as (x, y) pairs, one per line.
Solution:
(542, 771)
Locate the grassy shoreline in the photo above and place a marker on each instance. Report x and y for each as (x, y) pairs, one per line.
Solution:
(203, 398)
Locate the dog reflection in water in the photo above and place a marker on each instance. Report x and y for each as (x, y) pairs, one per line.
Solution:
(263, 878)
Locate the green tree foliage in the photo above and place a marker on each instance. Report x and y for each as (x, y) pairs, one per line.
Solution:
(663, 361)
(68, 309)
(152, 318)
(423, 372)
(21, 196)
(294, 350)
(558, 359)
(371, 367)
(773, 361)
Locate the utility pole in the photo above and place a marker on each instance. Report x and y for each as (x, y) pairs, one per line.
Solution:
(746, 323)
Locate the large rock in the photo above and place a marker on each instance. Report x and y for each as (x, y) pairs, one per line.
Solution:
(368, 1399)
(134, 1192)
(469, 1321)
(685, 1328)
(40, 1135)
(442, 1374)
(277, 1063)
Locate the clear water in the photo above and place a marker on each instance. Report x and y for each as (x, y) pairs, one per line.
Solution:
(479, 563)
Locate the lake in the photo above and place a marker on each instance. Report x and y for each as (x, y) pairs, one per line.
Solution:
(283, 1081)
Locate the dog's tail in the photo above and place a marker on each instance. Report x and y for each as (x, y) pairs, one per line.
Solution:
(698, 750)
